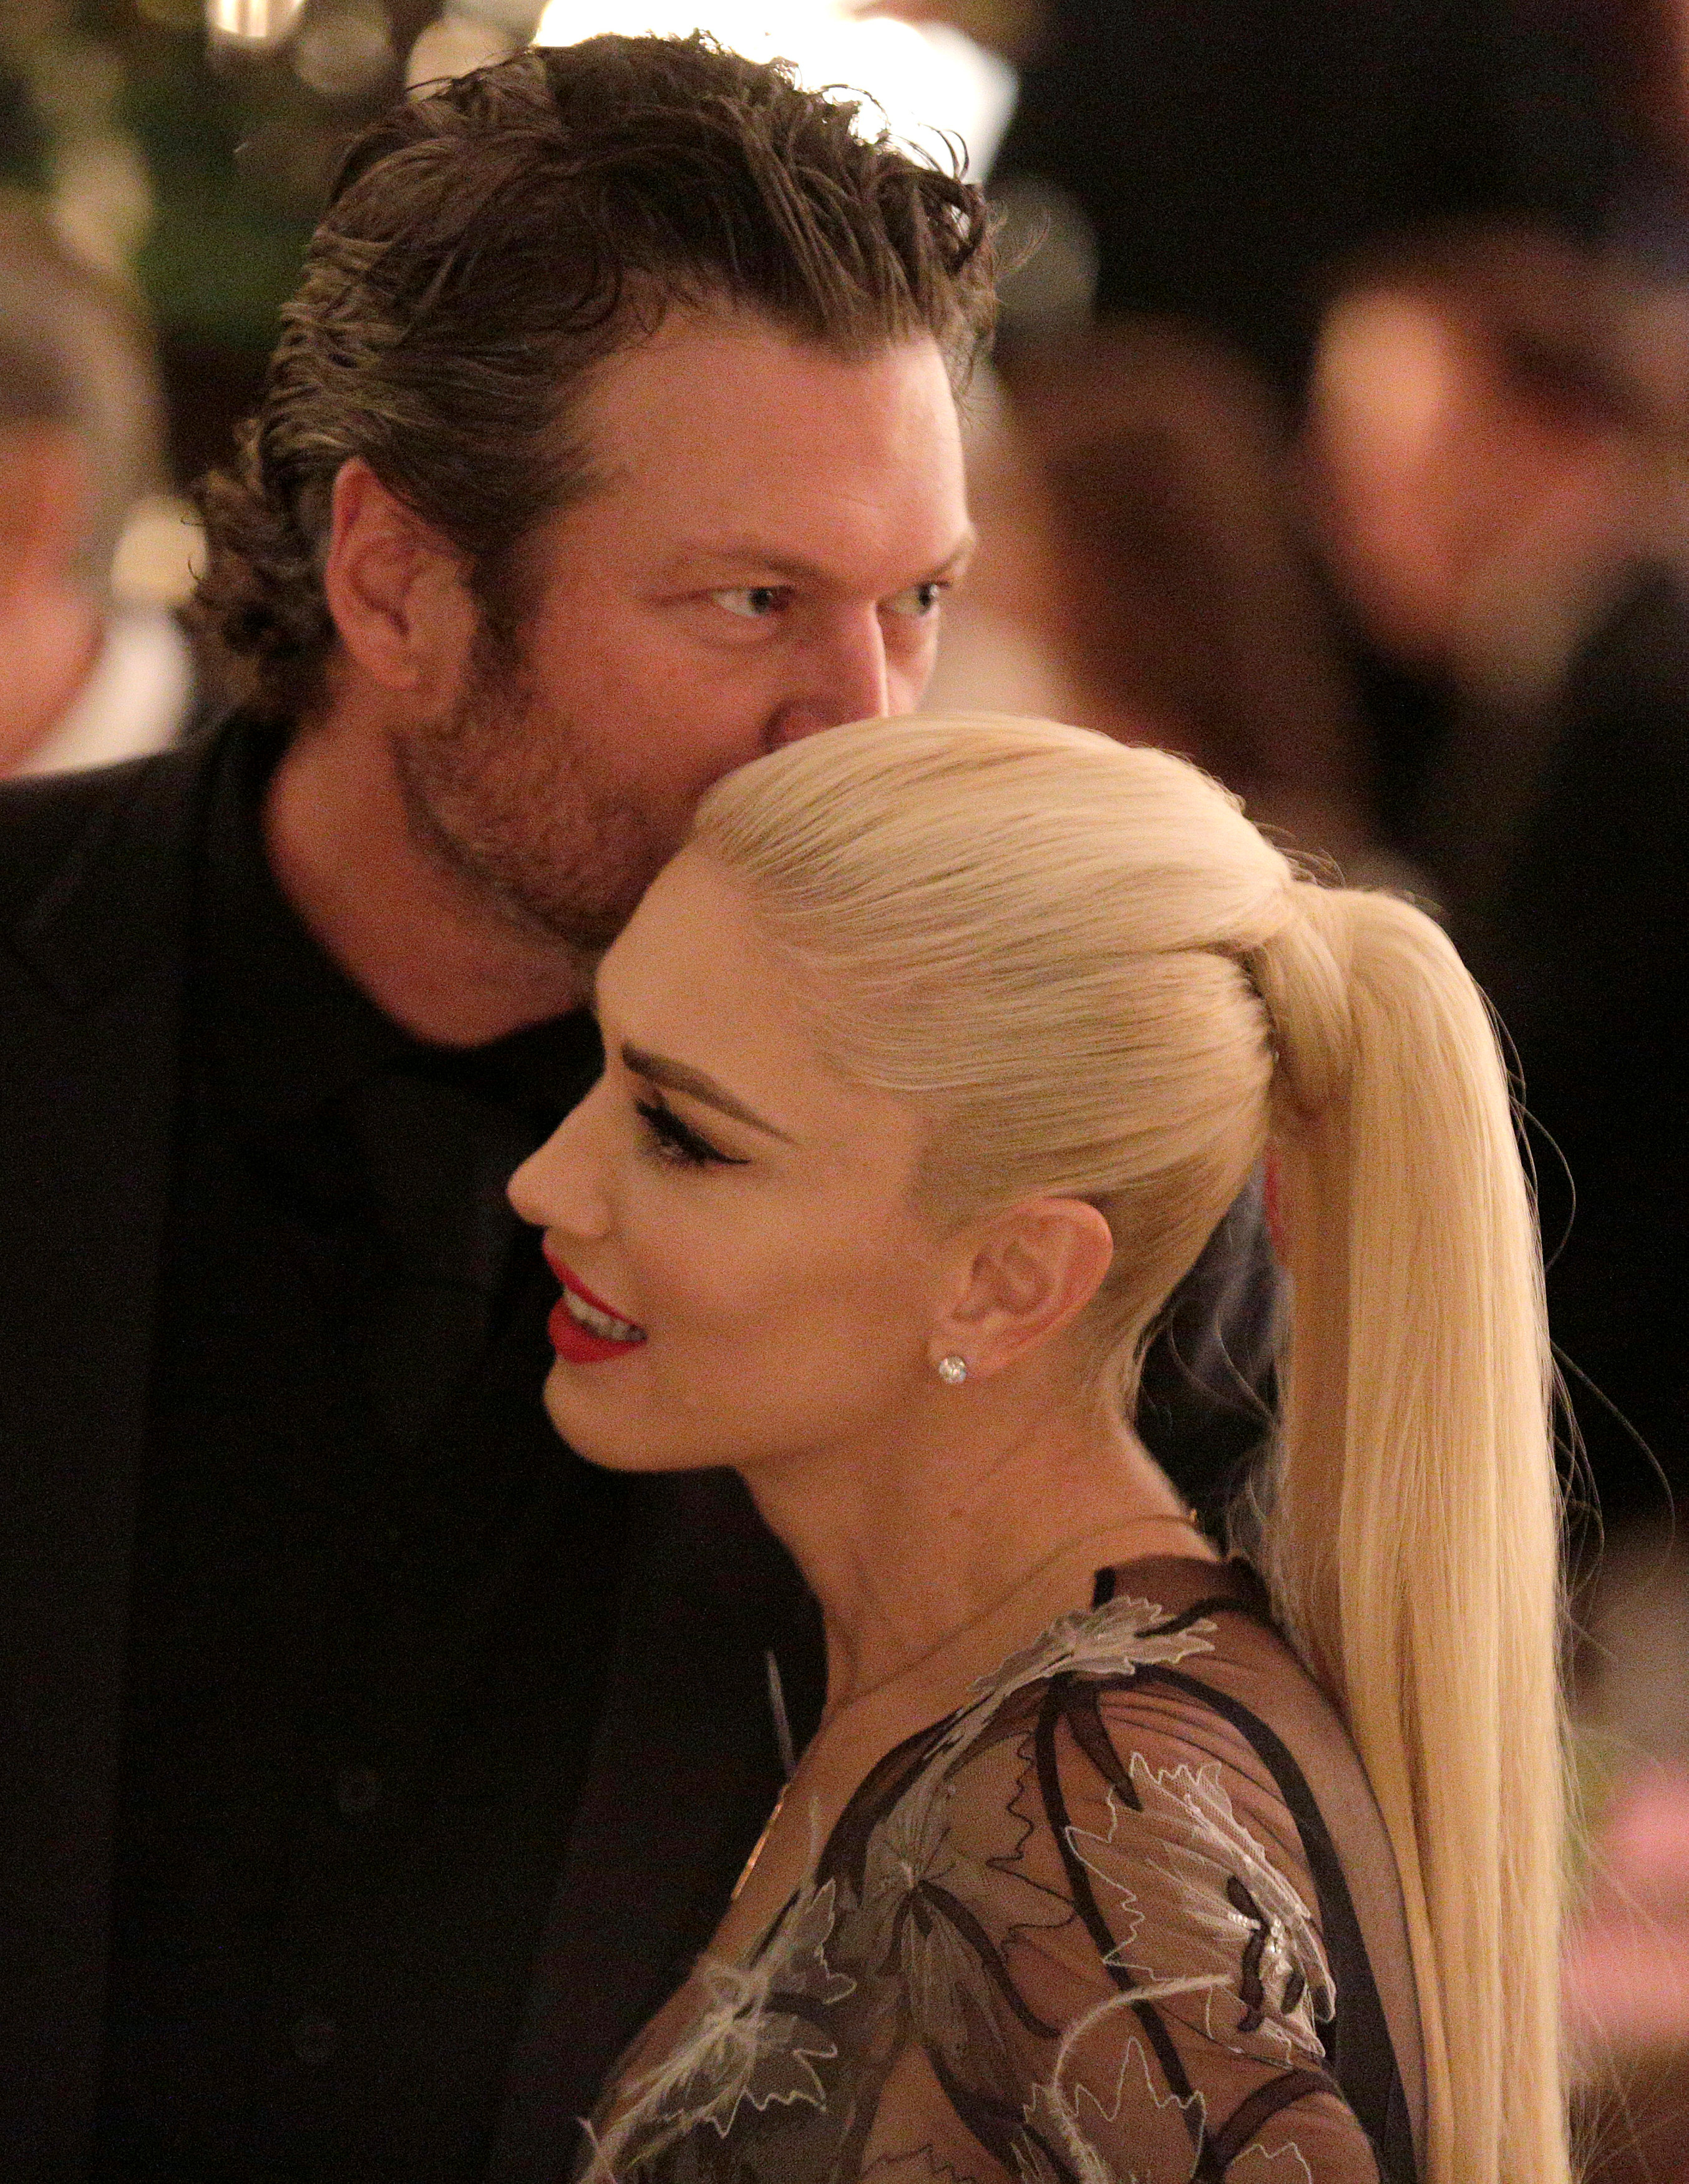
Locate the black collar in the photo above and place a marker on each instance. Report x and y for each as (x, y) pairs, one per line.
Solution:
(285, 1031)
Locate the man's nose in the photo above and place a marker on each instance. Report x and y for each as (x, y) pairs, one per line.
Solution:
(844, 678)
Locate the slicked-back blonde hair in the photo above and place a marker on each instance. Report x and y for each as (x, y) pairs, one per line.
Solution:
(1101, 981)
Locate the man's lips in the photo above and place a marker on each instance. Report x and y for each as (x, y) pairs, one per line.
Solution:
(584, 1329)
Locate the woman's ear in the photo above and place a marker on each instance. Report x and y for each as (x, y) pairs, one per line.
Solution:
(395, 588)
(1027, 1273)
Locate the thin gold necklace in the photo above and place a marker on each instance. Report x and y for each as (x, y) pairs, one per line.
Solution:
(1188, 1521)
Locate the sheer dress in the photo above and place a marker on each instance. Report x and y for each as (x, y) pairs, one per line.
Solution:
(1128, 1916)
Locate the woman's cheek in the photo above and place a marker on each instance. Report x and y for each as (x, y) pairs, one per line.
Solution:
(697, 1284)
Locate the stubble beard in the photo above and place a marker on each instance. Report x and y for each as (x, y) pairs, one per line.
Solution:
(502, 798)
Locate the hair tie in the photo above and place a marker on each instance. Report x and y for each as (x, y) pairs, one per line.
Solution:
(1302, 976)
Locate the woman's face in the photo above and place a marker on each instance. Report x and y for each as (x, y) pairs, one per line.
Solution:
(746, 1277)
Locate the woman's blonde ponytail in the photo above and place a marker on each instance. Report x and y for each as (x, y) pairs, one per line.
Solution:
(1413, 1540)
(1104, 983)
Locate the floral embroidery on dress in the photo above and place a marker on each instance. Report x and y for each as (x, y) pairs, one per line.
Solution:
(1077, 2113)
(918, 1887)
(1110, 1641)
(754, 2040)
(1067, 1936)
(917, 1916)
(1285, 2165)
(1269, 1958)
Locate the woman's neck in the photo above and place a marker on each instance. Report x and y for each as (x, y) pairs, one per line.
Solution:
(936, 1554)
(963, 1534)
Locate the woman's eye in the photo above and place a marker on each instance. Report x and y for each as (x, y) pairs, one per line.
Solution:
(920, 602)
(752, 602)
(673, 1140)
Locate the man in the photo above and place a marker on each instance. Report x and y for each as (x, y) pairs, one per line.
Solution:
(374, 1765)
(1491, 441)
(87, 680)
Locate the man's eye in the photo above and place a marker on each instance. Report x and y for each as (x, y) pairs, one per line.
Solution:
(752, 602)
(673, 1140)
(920, 602)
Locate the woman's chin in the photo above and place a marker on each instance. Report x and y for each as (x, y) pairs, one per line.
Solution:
(576, 1424)
(594, 1431)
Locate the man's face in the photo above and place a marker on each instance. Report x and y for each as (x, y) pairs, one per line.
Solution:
(766, 555)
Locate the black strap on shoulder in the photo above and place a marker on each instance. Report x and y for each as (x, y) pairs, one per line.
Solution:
(1357, 2043)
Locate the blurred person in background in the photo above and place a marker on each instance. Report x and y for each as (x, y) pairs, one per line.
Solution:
(1204, 163)
(612, 441)
(1494, 448)
(88, 679)
(1200, 165)
(1141, 545)
(1491, 448)
(1491, 443)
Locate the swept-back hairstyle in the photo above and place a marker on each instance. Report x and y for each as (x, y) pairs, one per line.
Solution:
(1103, 982)
(490, 241)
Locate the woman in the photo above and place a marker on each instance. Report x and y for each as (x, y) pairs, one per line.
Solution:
(931, 1062)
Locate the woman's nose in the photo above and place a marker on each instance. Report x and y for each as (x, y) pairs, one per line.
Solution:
(560, 1185)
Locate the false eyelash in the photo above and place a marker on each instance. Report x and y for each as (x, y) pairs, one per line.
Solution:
(676, 1141)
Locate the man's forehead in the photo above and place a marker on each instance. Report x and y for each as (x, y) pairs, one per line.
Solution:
(796, 553)
(747, 393)
(731, 440)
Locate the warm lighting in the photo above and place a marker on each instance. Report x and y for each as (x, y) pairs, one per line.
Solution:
(101, 199)
(344, 51)
(452, 46)
(252, 22)
(161, 554)
(928, 81)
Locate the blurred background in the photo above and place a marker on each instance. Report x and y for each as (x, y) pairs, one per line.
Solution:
(1335, 434)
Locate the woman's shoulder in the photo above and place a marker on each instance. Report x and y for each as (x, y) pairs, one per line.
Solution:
(1091, 1882)
(1157, 1805)
(1180, 1849)
(1068, 1930)
(1142, 1701)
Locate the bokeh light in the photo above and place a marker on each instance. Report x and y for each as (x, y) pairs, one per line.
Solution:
(252, 22)
(930, 82)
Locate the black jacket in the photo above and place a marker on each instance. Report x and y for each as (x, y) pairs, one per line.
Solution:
(95, 874)
(95, 898)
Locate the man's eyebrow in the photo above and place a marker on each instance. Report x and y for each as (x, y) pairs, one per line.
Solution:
(681, 1077)
(960, 554)
(734, 553)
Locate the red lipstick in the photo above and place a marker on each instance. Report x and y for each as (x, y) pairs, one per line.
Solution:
(578, 1344)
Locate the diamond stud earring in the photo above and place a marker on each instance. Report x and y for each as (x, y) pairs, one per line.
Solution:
(952, 1370)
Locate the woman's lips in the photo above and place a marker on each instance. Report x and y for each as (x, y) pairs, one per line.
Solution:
(584, 1329)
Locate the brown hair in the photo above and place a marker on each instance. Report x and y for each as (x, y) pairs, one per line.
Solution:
(488, 243)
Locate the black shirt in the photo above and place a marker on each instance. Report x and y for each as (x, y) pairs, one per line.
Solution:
(372, 1589)
(374, 1595)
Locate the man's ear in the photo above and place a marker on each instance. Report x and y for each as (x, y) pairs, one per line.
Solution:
(1027, 1273)
(396, 589)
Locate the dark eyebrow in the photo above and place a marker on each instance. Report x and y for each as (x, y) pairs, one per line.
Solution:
(960, 554)
(728, 553)
(679, 1077)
